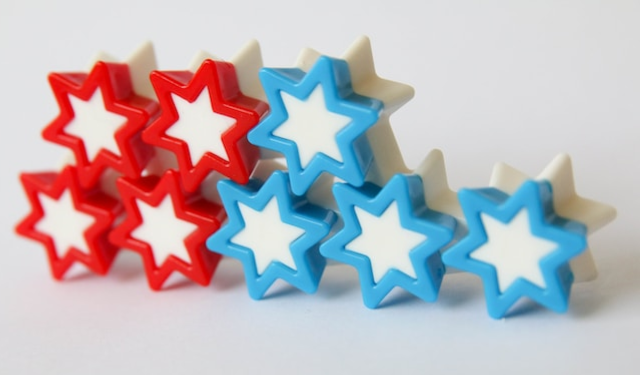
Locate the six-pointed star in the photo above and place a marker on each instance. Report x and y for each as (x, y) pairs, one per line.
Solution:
(518, 246)
(391, 238)
(204, 122)
(69, 222)
(317, 122)
(100, 120)
(566, 203)
(273, 233)
(387, 159)
(168, 228)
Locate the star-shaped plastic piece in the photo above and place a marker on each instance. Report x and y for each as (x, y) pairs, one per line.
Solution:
(168, 228)
(275, 234)
(391, 238)
(388, 160)
(518, 246)
(72, 223)
(559, 173)
(100, 121)
(204, 122)
(317, 122)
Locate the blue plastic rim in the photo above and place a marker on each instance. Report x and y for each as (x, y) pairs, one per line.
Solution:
(537, 198)
(294, 210)
(414, 215)
(334, 77)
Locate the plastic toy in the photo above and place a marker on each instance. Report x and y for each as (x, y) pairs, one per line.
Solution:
(71, 223)
(521, 244)
(317, 122)
(168, 228)
(274, 233)
(518, 246)
(204, 121)
(566, 203)
(174, 152)
(100, 120)
(391, 238)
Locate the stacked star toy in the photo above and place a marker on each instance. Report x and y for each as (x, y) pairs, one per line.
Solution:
(284, 169)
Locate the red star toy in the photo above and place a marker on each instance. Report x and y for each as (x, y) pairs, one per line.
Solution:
(100, 120)
(72, 223)
(204, 122)
(168, 228)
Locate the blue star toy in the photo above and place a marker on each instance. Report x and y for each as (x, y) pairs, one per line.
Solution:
(391, 238)
(274, 233)
(317, 122)
(518, 246)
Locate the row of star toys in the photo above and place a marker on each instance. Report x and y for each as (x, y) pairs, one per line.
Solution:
(160, 158)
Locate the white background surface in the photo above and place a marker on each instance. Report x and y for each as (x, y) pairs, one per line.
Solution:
(513, 81)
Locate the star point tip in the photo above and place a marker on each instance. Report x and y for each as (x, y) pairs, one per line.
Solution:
(507, 178)
(437, 192)
(248, 62)
(145, 51)
(307, 58)
(141, 63)
(360, 54)
(101, 56)
(559, 172)
(250, 51)
(366, 81)
(199, 58)
(567, 202)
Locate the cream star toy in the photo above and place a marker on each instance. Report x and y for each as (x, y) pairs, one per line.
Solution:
(566, 203)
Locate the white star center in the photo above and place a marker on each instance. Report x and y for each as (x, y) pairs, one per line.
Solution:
(163, 231)
(312, 126)
(267, 235)
(64, 223)
(385, 242)
(94, 124)
(200, 127)
(513, 250)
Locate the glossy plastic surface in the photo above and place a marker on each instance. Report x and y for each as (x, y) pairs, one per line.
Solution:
(204, 122)
(387, 157)
(297, 99)
(391, 238)
(71, 223)
(566, 202)
(540, 255)
(175, 218)
(329, 118)
(285, 233)
(100, 120)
